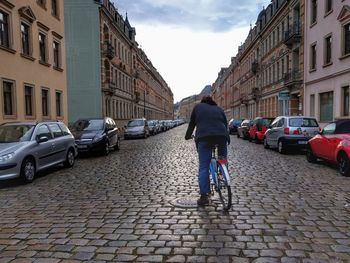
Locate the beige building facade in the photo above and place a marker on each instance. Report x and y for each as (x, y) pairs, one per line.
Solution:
(32, 55)
(266, 75)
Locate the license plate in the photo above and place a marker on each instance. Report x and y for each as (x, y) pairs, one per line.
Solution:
(302, 142)
(82, 146)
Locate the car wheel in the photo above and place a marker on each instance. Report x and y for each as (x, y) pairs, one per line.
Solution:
(28, 170)
(344, 164)
(266, 145)
(281, 147)
(106, 148)
(238, 135)
(310, 157)
(70, 159)
(117, 145)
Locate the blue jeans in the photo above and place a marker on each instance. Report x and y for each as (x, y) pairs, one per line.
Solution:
(204, 150)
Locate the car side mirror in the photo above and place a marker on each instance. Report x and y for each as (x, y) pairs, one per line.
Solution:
(42, 139)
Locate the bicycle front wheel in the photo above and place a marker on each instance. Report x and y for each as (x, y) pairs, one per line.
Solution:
(224, 188)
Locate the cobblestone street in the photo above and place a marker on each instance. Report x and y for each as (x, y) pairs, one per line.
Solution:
(117, 208)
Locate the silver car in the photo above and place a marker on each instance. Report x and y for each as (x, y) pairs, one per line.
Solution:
(29, 147)
(137, 128)
(287, 132)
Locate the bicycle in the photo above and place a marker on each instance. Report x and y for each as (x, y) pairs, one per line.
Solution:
(220, 179)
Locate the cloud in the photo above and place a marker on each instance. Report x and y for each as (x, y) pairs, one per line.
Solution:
(196, 15)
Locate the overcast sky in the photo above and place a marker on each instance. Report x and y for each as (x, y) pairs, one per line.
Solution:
(189, 41)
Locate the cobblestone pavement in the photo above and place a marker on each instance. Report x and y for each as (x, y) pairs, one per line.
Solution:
(117, 208)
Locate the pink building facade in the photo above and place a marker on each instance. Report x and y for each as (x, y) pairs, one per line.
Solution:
(327, 59)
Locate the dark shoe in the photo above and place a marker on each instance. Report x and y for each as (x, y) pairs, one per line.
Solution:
(203, 200)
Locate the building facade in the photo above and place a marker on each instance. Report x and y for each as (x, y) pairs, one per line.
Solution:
(123, 83)
(33, 65)
(266, 74)
(327, 67)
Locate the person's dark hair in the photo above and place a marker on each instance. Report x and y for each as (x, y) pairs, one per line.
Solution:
(208, 100)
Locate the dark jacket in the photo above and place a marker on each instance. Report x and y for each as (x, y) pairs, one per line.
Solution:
(210, 121)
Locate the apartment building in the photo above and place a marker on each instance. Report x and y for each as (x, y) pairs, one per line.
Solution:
(327, 59)
(267, 72)
(155, 99)
(32, 55)
(108, 74)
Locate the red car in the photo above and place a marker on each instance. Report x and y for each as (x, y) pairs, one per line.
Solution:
(332, 144)
(258, 128)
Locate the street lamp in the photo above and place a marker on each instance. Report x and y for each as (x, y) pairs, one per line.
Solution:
(144, 102)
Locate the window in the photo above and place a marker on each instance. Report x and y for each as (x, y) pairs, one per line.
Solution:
(43, 131)
(329, 129)
(4, 29)
(313, 11)
(312, 105)
(326, 106)
(42, 48)
(345, 104)
(58, 104)
(8, 98)
(45, 102)
(56, 130)
(25, 39)
(328, 50)
(28, 100)
(329, 6)
(346, 39)
(313, 57)
(56, 54)
(54, 8)
(42, 3)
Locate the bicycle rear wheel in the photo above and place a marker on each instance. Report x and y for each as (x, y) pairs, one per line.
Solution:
(224, 188)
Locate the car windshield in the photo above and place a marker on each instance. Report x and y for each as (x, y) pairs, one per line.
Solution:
(135, 123)
(266, 122)
(15, 133)
(302, 122)
(88, 125)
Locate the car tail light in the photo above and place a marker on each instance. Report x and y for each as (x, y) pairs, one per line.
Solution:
(296, 132)
(286, 130)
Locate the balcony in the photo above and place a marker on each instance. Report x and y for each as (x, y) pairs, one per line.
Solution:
(108, 50)
(109, 87)
(244, 99)
(292, 77)
(256, 93)
(292, 35)
(255, 67)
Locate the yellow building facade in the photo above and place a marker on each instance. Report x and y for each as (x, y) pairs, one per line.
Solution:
(32, 55)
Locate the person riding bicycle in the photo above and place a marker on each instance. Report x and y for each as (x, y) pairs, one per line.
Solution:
(211, 129)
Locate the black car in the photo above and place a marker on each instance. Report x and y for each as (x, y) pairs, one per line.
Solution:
(96, 134)
(243, 129)
(233, 125)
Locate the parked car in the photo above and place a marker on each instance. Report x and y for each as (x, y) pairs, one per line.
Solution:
(29, 147)
(242, 130)
(233, 125)
(154, 127)
(258, 128)
(137, 128)
(287, 132)
(332, 145)
(96, 135)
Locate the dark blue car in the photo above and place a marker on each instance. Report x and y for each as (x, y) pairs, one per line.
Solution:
(233, 124)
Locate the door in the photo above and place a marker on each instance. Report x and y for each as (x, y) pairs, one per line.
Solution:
(59, 144)
(324, 145)
(44, 149)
